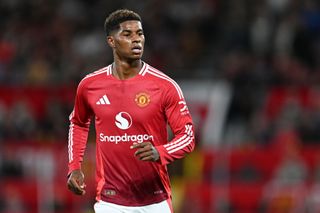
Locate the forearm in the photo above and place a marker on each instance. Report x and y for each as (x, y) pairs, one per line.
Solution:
(76, 146)
(178, 147)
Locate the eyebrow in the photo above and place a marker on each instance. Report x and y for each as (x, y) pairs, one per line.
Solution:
(129, 31)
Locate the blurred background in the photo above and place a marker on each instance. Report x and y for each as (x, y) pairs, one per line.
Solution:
(250, 72)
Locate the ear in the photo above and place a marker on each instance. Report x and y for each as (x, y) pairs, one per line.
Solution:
(110, 41)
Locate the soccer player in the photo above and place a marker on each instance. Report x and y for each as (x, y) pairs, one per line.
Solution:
(132, 103)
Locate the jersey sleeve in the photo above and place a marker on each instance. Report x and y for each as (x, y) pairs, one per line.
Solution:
(181, 124)
(78, 130)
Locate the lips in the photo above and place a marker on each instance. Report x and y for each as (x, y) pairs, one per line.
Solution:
(137, 49)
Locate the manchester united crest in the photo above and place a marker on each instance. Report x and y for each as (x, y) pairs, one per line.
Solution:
(142, 99)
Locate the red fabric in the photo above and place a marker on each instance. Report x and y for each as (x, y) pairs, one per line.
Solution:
(126, 112)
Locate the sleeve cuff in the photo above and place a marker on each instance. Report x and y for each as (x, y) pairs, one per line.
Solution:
(163, 156)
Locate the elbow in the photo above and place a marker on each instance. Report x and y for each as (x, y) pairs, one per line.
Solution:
(192, 145)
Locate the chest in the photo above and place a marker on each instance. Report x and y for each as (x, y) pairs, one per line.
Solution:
(124, 100)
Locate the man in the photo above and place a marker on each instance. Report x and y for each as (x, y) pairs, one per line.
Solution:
(132, 103)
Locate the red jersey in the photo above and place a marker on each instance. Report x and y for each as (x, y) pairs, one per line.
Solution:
(130, 111)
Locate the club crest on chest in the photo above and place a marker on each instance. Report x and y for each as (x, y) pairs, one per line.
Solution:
(142, 99)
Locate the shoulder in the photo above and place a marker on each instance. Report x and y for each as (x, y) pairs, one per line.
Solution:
(151, 72)
(95, 75)
(162, 79)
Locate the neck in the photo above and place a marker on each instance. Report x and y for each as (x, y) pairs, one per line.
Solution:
(125, 70)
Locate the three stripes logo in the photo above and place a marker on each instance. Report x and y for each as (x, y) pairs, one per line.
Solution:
(103, 101)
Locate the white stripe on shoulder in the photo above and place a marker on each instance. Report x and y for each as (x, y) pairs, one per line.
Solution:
(144, 67)
(160, 74)
(109, 70)
(100, 71)
(144, 71)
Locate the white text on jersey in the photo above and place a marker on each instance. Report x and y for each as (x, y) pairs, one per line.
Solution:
(125, 138)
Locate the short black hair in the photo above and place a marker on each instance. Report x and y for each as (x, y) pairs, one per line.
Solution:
(114, 20)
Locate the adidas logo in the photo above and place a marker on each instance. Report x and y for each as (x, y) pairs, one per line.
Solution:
(103, 100)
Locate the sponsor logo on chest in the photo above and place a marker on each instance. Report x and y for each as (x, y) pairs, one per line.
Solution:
(123, 120)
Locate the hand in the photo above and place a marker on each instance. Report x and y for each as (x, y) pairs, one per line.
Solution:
(146, 151)
(76, 182)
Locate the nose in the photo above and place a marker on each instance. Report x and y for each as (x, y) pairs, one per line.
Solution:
(137, 38)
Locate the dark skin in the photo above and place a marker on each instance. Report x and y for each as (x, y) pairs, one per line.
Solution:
(76, 182)
(127, 44)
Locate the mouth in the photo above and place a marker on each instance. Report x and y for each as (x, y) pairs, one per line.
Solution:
(137, 49)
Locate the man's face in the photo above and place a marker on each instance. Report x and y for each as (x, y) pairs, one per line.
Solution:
(128, 41)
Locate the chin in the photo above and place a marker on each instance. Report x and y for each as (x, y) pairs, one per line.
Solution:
(137, 57)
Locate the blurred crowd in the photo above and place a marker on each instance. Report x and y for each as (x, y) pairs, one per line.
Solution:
(266, 50)
(270, 58)
(58, 42)
(256, 46)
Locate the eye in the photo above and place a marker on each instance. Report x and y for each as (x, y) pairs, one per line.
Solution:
(126, 33)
